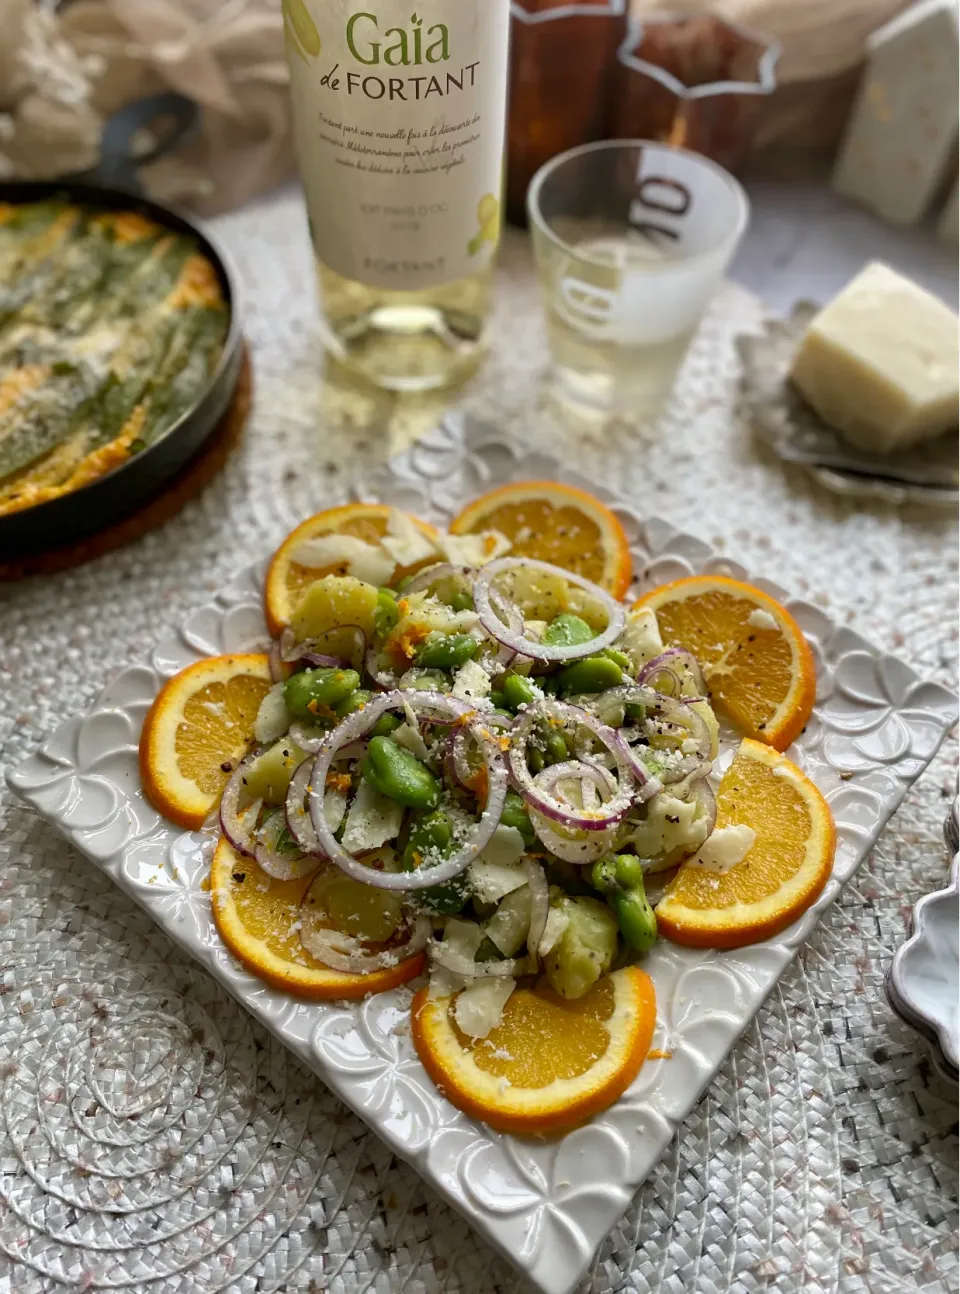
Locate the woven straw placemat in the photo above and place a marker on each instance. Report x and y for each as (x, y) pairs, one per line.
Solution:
(154, 1139)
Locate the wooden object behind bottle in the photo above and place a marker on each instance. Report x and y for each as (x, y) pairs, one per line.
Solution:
(561, 84)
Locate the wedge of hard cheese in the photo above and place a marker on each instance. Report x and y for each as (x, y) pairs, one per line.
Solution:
(879, 363)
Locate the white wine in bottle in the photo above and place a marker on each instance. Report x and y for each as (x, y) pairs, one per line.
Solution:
(399, 116)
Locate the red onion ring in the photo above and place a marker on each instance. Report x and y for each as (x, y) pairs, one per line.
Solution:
(298, 819)
(439, 571)
(649, 785)
(307, 738)
(313, 649)
(233, 823)
(282, 867)
(317, 660)
(704, 794)
(372, 664)
(358, 725)
(679, 714)
(496, 627)
(667, 662)
(341, 952)
(585, 850)
(509, 614)
(616, 807)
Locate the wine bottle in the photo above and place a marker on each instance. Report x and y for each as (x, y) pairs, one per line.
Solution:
(399, 119)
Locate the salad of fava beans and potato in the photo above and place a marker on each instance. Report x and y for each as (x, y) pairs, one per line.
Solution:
(484, 762)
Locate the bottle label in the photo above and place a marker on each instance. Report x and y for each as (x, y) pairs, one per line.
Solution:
(399, 116)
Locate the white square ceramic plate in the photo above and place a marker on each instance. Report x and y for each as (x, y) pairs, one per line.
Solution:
(545, 1204)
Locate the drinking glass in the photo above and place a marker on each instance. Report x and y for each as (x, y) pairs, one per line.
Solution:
(630, 238)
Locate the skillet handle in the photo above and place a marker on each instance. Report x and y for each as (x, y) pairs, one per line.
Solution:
(119, 162)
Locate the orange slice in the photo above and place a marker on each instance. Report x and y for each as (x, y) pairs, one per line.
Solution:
(287, 580)
(756, 661)
(555, 523)
(201, 718)
(550, 1064)
(782, 873)
(258, 919)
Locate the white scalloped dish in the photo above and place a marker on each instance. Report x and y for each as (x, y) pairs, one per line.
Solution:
(545, 1204)
(923, 982)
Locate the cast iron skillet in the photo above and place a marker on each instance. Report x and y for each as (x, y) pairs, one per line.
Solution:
(113, 184)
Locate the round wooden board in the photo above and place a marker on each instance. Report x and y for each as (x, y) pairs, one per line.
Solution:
(185, 485)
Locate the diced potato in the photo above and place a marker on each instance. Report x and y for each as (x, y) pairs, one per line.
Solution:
(586, 948)
(640, 639)
(420, 616)
(362, 911)
(538, 594)
(672, 829)
(270, 776)
(334, 601)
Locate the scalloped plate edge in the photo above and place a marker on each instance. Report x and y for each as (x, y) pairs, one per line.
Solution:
(479, 446)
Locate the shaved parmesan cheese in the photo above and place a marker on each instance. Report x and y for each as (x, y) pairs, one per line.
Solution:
(367, 562)
(273, 718)
(334, 807)
(472, 681)
(479, 1008)
(725, 848)
(492, 881)
(410, 737)
(473, 550)
(444, 983)
(404, 542)
(557, 921)
(761, 619)
(505, 847)
(510, 924)
(372, 821)
(462, 938)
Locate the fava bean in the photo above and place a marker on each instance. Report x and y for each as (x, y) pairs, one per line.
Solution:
(567, 630)
(446, 651)
(514, 814)
(354, 702)
(312, 691)
(431, 837)
(385, 613)
(461, 602)
(518, 691)
(499, 700)
(555, 748)
(619, 658)
(592, 674)
(396, 773)
(620, 878)
(386, 724)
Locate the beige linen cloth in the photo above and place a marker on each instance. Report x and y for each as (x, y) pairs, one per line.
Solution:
(63, 70)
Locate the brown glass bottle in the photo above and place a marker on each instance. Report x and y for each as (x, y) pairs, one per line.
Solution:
(562, 62)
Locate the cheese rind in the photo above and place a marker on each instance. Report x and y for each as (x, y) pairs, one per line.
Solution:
(879, 363)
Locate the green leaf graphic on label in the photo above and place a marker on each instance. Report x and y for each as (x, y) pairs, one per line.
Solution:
(300, 28)
(488, 217)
